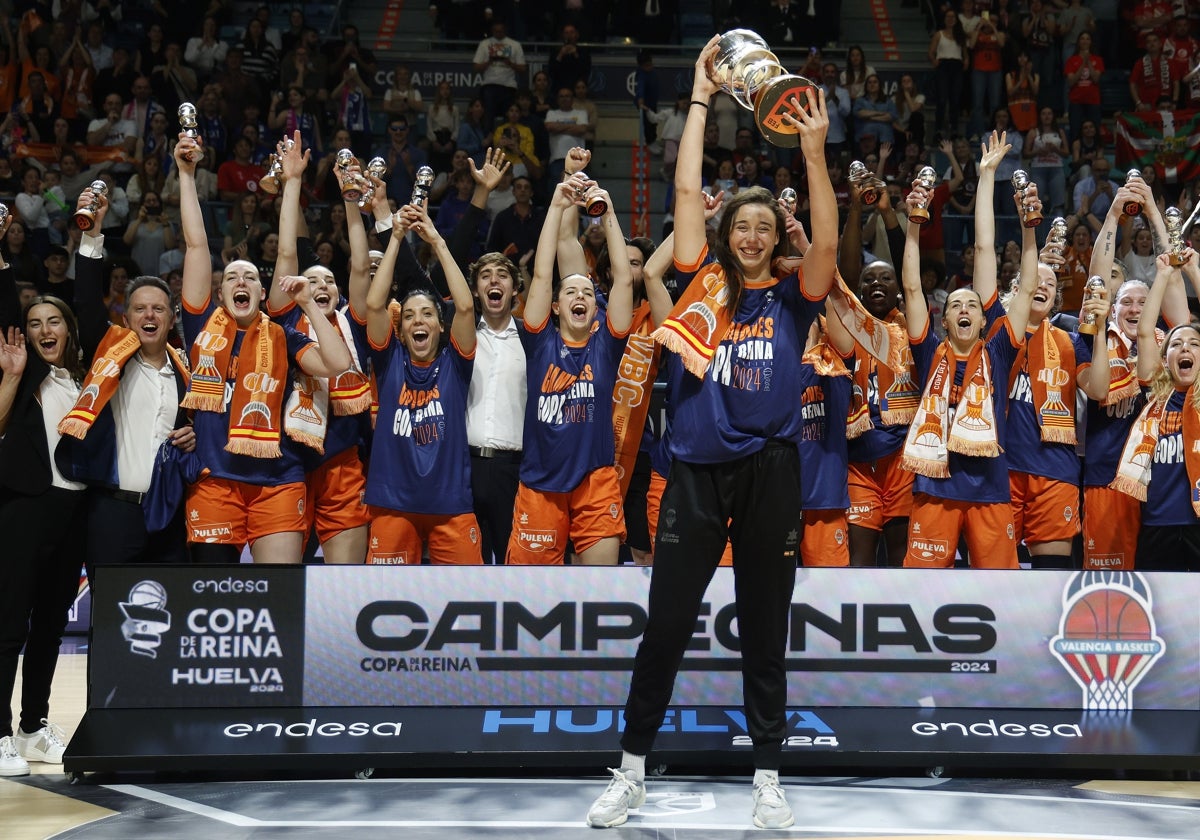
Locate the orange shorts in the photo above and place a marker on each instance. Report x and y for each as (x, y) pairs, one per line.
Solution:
(226, 512)
(1111, 522)
(654, 503)
(335, 495)
(543, 522)
(1044, 509)
(824, 542)
(396, 538)
(935, 526)
(879, 492)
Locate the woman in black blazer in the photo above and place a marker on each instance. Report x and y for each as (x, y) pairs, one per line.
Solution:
(40, 516)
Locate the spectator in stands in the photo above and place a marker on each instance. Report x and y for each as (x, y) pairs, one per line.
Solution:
(517, 141)
(854, 77)
(173, 81)
(1046, 149)
(1182, 50)
(245, 229)
(514, 231)
(306, 68)
(39, 109)
(73, 178)
(1093, 194)
(584, 101)
(474, 135)
(18, 252)
(1136, 250)
(294, 33)
(150, 234)
(348, 51)
(910, 111)
(332, 228)
(570, 61)
(402, 99)
(205, 53)
(442, 120)
(9, 72)
(986, 44)
(1039, 29)
(404, 157)
(1083, 71)
(1149, 17)
(351, 99)
(152, 50)
(286, 120)
(31, 206)
(962, 200)
(237, 87)
(501, 60)
(1086, 147)
(781, 24)
(949, 57)
(157, 142)
(459, 162)
(78, 78)
(10, 181)
(567, 126)
(116, 79)
(1151, 79)
(262, 14)
(453, 209)
(1073, 275)
(113, 128)
(1022, 84)
(260, 58)
(100, 52)
(141, 107)
(118, 210)
(148, 178)
(840, 106)
(210, 122)
(239, 175)
(875, 113)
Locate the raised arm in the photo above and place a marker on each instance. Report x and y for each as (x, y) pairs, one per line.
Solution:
(690, 236)
(820, 261)
(379, 320)
(620, 294)
(652, 275)
(462, 328)
(570, 253)
(294, 161)
(916, 310)
(331, 356)
(1018, 307)
(541, 289)
(993, 151)
(197, 261)
(1165, 275)
(360, 252)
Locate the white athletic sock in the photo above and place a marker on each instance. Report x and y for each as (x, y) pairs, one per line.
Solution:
(763, 776)
(636, 763)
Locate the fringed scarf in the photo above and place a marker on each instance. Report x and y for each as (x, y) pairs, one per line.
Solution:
(899, 394)
(307, 411)
(631, 395)
(1137, 456)
(1049, 357)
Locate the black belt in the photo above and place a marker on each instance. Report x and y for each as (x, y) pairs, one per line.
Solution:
(492, 452)
(123, 495)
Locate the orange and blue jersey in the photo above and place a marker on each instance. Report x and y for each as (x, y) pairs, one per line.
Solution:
(1169, 496)
(972, 478)
(1024, 447)
(419, 457)
(881, 439)
(212, 429)
(1108, 427)
(751, 390)
(568, 416)
(822, 446)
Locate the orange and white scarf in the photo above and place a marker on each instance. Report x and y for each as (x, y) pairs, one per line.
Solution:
(1048, 356)
(116, 348)
(631, 394)
(256, 407)
(307, 411)
(933, 435)
(899, 394)
(1122, 365)
(1137, 456)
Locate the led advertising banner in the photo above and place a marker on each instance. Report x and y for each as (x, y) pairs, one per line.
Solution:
(1106, 641)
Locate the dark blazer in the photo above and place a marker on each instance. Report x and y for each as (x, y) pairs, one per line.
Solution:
(93, 460)
(24, 453)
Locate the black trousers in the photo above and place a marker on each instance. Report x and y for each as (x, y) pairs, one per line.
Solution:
(1168, 548)
(39, 578)
(756, 502)
(494, 494)
(116, 533)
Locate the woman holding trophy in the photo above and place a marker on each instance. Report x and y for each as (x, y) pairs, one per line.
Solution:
(739, 331)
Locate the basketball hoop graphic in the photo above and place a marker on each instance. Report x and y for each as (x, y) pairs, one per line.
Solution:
(1107, 638)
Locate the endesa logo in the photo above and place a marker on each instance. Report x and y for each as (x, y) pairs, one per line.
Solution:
(231, 586)
(806, 729)
(990, 729)
(312, 729)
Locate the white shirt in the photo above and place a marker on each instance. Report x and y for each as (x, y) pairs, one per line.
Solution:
(144, 408)
(496, 397)
(562, 142)
(499, 72)
(57, 395)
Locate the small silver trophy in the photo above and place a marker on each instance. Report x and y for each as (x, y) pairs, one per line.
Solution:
(272, 182)
(421, 185)
(1021, 182)
(1093, 289)
(593, 205)
(187, 121)
(1173, 219)
(85, 217)
(351, 184)
(1132, 207)
(1056, 238)
(869, 186)
(788, 200)
(376, 167)
(926, 179)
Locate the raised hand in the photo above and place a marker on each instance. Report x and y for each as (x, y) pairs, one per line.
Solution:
(495, 164)
(418, 221)
(13, 353)
(702, 85)
(712, 203)
(294, 160)
(577, 160)
(993, 150)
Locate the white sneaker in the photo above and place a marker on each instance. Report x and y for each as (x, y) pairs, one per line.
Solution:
(11, 763)
(771, 809)
(612, 808)
(47, 744)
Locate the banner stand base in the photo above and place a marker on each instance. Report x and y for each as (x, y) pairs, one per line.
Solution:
(324, 740)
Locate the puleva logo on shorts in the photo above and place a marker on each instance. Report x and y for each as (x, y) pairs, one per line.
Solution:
(1107, 638)
(537, 540)
(146, 617)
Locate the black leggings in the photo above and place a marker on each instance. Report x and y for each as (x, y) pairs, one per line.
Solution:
(1168, 548)
(756, 502)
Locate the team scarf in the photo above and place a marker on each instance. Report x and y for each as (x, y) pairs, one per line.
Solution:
(1122, 365)
(631, 396)
(307, 411)
(898, 392)
(116, 348)
(932, 436)
(825, 360)
(1137, 456)
(700, 321)
(256, 408)
(1048, 356)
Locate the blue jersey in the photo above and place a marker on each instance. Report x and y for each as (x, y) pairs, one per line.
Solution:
(1024, 447)
(881, 439)
(1108, 426)
(823, 456)
(1169, 496)
(343, 430)
(973, 479)
(419, 457)
(751, 390)
(568, 417)
(212, 429)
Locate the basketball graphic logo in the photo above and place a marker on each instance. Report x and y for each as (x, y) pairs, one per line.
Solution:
(1107, 639)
